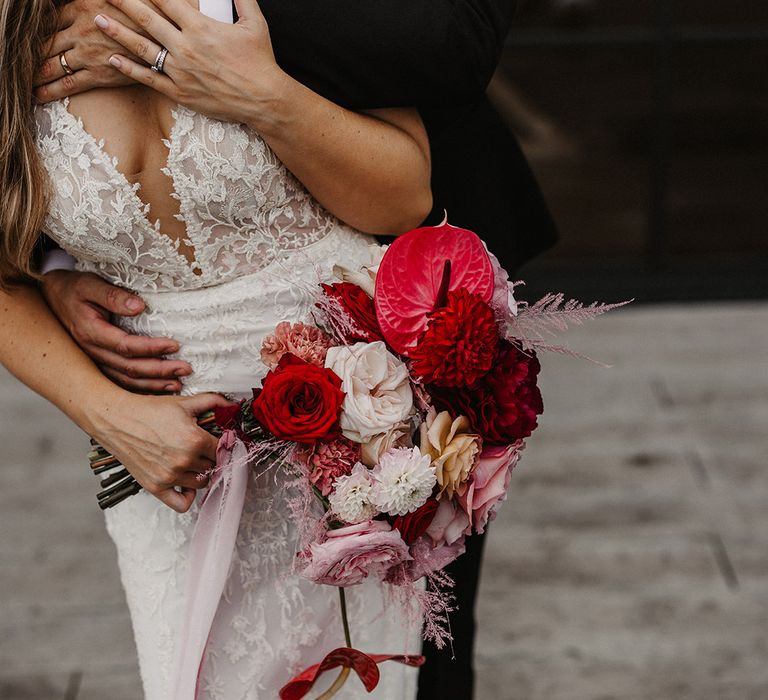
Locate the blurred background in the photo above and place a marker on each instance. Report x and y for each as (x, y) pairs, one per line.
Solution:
(646, 122)
(630, 561)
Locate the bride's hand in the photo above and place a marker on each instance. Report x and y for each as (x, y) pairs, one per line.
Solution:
(86, 51)
(225, 71)
(158, 441)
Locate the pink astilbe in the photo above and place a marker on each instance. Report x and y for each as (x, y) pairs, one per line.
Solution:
(325, 461)
(551, 315)
(428, 606)
(307, 342)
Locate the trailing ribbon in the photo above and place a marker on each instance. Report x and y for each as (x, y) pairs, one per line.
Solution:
(210, 555)
(365, 665)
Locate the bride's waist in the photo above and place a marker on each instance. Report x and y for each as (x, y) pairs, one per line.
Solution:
(220, 329)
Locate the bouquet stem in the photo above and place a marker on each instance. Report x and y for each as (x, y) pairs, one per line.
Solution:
(344, 619)
(341, 679)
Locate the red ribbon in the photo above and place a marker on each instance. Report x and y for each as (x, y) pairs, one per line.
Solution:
(365, 665)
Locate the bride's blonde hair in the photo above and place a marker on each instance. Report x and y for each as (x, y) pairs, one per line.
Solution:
(24, 185)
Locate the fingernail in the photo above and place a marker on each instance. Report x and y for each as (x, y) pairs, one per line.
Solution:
(170, 350)
(101, 21)
(181, 372)
(170, 387)
(115, 61)
(134, 304)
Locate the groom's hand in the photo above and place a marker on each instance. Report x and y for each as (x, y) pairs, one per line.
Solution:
(86, 51)
(84, 303)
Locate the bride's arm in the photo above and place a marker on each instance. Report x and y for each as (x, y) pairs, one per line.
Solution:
(370, 170)
(156, 438)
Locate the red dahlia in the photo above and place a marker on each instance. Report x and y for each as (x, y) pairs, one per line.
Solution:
(459, 343)
(503, 406)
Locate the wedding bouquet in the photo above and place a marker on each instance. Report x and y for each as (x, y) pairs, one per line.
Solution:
(398, 411)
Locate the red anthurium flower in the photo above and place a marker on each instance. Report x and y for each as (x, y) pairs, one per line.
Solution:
(364, 665)
(411, 279)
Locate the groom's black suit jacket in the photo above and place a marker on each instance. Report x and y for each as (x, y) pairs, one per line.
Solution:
(437, 55)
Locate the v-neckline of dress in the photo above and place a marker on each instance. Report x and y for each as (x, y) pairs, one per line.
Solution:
(112, 163)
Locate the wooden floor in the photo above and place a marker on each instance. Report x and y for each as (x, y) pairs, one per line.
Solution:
(630, 561)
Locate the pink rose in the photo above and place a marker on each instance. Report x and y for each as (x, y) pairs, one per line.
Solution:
(307, 342)
(488, 484)
(428, 558)
(449, 524)
(351, 554)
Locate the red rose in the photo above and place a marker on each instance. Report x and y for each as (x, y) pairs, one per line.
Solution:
(360, 308)
(459, 343)
(503, 406)
(228, 417)
(414, 525)
(299, 401)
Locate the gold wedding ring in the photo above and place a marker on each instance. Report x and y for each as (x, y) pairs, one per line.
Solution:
(64, 64)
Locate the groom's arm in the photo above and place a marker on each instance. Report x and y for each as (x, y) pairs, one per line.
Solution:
(358, 53)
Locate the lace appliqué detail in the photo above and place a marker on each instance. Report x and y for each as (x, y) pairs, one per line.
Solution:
(241, 207)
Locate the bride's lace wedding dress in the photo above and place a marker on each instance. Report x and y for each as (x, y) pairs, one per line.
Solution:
(260, 243)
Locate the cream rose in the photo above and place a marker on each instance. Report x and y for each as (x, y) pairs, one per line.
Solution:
(452, 447)
(365, 275)
(378, 392)
(399, 436)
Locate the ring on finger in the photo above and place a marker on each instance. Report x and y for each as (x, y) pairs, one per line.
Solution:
(64, 65)
(160, 60)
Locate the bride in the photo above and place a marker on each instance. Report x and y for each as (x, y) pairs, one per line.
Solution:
(223, 225)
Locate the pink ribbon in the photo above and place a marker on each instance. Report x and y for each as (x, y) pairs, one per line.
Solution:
(210, 555)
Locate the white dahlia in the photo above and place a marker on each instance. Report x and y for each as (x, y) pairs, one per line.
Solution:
(402, 481)
(350, 498)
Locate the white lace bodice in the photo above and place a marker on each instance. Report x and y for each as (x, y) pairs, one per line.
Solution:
(241, 207)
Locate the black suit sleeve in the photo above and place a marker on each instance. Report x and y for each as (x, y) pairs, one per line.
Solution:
(390, 53)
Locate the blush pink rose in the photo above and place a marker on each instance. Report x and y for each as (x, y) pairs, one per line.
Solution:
(450, 523)
(351, 554)
(488, 485)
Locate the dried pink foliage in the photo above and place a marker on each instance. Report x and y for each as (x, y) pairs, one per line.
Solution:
(551, 315)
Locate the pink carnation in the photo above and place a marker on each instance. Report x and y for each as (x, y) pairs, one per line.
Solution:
(326, 461)
(351, 554)
(307, 342)
(488, 485)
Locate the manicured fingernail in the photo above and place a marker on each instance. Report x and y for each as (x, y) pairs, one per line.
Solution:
(115, 61)
(101, 22)
(134, 304)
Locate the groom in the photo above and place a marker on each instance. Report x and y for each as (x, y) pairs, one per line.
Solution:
(437, 55)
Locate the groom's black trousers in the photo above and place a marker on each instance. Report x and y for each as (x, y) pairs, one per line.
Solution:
(448, 673)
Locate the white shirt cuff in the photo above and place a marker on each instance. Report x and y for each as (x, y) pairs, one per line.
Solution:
(56, 259)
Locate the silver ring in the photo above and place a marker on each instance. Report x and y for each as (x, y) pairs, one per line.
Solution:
(160, 60)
